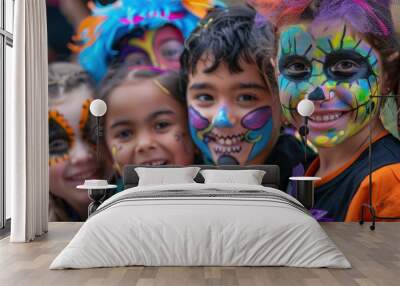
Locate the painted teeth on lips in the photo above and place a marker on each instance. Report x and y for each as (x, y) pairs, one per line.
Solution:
(326, 117)
(228, 140)
(227, 150)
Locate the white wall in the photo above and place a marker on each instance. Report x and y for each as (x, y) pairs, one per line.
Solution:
(9, 12)
(9, 27)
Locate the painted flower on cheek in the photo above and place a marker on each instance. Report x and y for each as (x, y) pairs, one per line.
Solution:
(224, 141)
(338, 72)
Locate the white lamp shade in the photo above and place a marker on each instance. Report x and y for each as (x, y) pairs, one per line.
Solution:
(98, 107)
(305, 108)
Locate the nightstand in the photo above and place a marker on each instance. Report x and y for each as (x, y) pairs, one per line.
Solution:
(305, 190)
(97, 192)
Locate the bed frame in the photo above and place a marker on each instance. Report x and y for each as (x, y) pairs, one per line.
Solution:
(270, 179)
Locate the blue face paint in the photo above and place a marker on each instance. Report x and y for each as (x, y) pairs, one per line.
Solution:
(198, 126)
(260, 124)
(107, 25)
(222, 119)
(261, 138)
(223, 142)
(338, 71)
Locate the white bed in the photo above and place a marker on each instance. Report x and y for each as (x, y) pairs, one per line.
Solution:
(201, 225)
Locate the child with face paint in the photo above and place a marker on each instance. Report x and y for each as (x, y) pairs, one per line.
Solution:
(396, 18)
(72, 157)
(234, 115)
(398, 109)
(341, 55)
(146, 122)
(144, 33)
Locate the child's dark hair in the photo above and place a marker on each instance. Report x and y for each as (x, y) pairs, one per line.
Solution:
(229, 36)
(64, 77)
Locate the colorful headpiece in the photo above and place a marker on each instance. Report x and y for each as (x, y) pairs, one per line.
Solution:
(108, 24)
(278, 11)
(366, 16)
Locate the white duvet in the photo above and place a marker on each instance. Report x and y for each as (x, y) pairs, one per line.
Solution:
(202, 231)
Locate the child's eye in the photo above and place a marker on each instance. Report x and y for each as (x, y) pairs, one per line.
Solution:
(125, 134)
(162, 125)
(247, 98)
(58, 147)
(204, 97)
(171, 50)
(345, 66)
(298, 70)
(138, 59)
(140, 62)
(295, 67)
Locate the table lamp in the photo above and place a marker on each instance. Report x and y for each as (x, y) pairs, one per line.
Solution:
(305, 185)
(98, 108)
(369, 206)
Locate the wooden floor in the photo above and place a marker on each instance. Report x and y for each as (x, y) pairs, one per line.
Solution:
(375, 257)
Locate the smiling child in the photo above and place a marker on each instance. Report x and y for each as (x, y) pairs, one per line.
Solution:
(343, 56)
(231, 93)
(72, 156)
(146, 122)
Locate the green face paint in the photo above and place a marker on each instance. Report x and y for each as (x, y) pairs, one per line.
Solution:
(338, 71)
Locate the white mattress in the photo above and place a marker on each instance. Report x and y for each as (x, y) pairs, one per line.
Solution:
(185, 230)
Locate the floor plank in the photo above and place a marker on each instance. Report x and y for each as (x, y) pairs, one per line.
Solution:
(375, 257)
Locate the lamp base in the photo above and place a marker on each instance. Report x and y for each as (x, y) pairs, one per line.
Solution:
(305, 190)
(97, 197)
(373, 216)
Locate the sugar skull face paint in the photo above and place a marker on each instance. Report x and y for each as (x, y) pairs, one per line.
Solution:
(72, 158)
(62, 135)
(337, 70)
(225, 143)
(98, 35)
(84, 114)
(61, 138)
(161, 48)
(230, 115)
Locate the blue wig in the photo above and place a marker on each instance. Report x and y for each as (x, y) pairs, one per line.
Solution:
(108, 24)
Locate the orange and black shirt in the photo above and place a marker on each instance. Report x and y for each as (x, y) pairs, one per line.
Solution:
(342, 193)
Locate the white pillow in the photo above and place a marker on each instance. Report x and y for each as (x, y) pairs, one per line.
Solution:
(163, 176)
(248, 177)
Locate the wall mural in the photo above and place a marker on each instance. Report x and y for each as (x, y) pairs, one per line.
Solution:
(194, 82)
